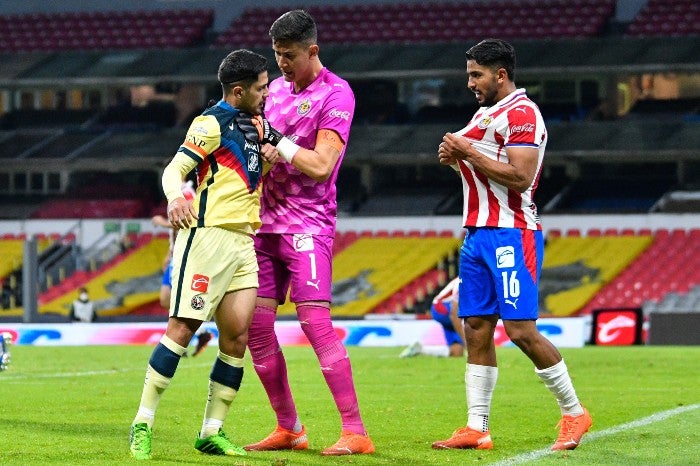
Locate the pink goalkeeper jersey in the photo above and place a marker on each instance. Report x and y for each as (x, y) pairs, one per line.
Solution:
(514, 121)
(291, 201)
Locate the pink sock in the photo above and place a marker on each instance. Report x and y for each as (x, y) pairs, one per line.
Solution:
(270, 365)
(335, 364)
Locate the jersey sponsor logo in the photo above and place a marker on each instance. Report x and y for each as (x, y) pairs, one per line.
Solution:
(303, 242)
(524, 128)
(304, 107)
(484, 122)
(521, 109)
(195, 140)
(200, 283)
(251, 146)
(505, 257)
(199, 130)
(342, 114)
(197, 303)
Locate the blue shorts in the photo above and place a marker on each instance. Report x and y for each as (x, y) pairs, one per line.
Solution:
(168, 275)
(451, 336)
(500, 269)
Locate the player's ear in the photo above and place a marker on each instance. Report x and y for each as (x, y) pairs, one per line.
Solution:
(313, 51)
(502, 75)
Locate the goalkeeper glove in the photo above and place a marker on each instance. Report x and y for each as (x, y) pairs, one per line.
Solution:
(247, 124)
(285, 146)
(269, 134)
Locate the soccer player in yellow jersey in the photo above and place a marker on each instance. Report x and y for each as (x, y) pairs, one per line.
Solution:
(215, 272)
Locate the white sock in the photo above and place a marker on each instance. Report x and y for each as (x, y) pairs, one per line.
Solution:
(557, 380)
(297, 426)
(210, 427)
(480, 381)
(145, 415)
(440, 351)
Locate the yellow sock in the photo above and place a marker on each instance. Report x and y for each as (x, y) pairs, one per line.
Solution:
(153, 387)
(155, 382)
(219, 401)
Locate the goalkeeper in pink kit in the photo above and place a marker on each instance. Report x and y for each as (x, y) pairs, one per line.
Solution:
(307, 124)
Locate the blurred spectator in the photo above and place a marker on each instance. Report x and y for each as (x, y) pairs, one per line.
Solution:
(83, 310)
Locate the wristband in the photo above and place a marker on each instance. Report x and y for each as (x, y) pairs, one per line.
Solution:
(287, 149)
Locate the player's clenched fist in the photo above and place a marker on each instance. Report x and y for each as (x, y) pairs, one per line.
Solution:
(268, 133)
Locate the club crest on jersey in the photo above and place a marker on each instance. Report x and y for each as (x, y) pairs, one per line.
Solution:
(197, 303)
(200, 283)
(253, 162)
(304, 107)
(484, 122)
(303, 242)
(505, 257)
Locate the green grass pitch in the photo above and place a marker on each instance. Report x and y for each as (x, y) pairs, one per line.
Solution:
(74, 405)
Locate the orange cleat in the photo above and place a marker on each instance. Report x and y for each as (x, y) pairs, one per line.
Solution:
(281, 439)
(571, 429)
(350, 443)
(466, 437)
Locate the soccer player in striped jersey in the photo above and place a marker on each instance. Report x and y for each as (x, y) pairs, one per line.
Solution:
(499, 157)
(215, 272)
(309, 114)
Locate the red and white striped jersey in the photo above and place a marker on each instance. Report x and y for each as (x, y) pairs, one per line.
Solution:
(513, 121)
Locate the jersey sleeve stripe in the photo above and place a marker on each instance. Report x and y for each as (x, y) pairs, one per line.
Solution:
(190, 154)
(194, 148)
(522, 144)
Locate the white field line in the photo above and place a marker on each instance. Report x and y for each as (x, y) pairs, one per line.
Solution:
(657, 417)
(9, 377)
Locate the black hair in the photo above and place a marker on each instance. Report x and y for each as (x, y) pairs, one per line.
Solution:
(294, 26)
(241, 67)
(494, 53)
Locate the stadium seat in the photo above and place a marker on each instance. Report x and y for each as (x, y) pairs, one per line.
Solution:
(443, 21)
(665, 18)
(110, 30)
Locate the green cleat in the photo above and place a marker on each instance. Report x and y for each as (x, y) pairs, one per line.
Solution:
(140, 441)
(218, 444)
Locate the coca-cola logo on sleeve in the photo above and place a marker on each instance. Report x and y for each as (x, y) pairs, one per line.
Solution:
(524, 128)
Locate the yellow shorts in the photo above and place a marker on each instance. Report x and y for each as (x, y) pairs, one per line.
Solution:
(207, 263)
